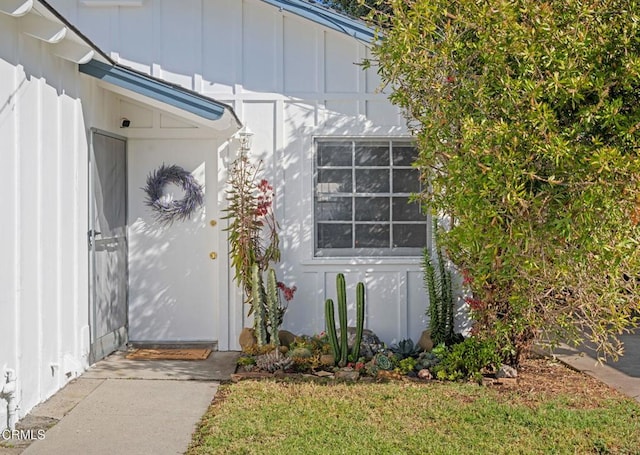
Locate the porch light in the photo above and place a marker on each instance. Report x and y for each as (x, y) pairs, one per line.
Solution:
(245, 135)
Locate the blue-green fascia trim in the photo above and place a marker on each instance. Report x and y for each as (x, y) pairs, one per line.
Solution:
(156, 89)
(327, 17)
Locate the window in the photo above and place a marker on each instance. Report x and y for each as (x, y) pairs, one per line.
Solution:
(362, 191)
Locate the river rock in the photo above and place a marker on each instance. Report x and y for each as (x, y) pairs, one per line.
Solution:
(506, 371)
(247, 339)
(286, 337)
(370, 344)
(425, 342)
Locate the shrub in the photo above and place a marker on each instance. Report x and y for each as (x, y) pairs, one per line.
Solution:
(527, 118)
(467, 360)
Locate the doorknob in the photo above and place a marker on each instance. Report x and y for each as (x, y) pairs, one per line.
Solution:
(213, 255)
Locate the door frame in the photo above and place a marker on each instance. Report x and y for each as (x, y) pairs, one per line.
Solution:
(100, 348)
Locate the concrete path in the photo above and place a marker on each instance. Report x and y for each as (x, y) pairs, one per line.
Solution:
(623, 375)
(129, 407)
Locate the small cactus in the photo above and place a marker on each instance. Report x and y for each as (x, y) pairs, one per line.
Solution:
(273, 361)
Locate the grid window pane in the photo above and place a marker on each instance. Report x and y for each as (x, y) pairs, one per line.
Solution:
(334, 181)
(372, 209)
(409, 235)
(372, 155)
(334, 209)
(334, 154)
(335, 235)
(406, 181)
(404, 155)
(361, 198)
(403, 210)
(372, 236)
(372, 180)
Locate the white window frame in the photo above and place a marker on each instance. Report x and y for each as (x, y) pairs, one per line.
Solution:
(354, 251)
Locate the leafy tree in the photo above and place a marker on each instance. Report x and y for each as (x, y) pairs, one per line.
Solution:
(358, 8)
(527, 115)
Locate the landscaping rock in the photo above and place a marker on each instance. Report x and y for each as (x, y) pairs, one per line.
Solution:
(347, 374)
(425, 342)
(425, 374)
(247, 339)
(327, 360)
(323, 374)
(506, 371)
(286, 337)
(370, 344)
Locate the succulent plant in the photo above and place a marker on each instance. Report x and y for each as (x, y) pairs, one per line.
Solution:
(383, 362)
(405, 348)
(273, 361)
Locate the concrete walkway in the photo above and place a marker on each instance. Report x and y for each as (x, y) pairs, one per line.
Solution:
(623, 375)
(128, 407)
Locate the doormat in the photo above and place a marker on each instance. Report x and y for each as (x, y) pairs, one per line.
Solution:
(169, 354)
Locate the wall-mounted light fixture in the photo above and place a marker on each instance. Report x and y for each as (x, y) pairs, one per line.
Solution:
(246, 136)
(125, 123)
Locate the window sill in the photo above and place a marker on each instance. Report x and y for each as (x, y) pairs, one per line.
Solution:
(356, 261)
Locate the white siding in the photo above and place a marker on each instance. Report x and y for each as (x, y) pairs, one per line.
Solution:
(289, 80)
(44, 107)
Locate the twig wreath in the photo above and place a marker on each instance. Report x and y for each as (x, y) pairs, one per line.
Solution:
(166, 209)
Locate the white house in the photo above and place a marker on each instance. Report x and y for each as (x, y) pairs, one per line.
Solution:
(86, 267)
(63, 276)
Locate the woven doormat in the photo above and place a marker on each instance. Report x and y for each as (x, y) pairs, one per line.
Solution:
(169, 354)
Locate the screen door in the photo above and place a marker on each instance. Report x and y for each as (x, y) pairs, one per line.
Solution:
(107, 236)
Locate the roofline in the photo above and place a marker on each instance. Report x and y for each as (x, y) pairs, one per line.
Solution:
(328, 17)
(75, 30)
(158, 89)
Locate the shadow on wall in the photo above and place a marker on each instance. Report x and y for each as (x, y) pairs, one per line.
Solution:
(397, 301)
(170, 284)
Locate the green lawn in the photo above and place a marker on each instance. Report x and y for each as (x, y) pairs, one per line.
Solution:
(279, 417)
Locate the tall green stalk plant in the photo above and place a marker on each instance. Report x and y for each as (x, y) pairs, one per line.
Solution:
(254, 242)
(437, 278)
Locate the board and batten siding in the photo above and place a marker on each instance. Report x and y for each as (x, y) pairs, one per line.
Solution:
(44, 333)
(289, 80)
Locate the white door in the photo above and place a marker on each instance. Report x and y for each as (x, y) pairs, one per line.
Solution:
(107, 243)
(173, 280)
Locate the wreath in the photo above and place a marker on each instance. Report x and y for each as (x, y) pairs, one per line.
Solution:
(166, 209)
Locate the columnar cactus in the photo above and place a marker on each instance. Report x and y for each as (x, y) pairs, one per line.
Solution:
(273, 305)
(359, 319)
(257, 303)
(341, 348)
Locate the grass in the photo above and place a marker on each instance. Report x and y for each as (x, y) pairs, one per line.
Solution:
(280, 417)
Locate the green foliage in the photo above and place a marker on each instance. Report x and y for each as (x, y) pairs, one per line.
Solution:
(428, 360)
(407, 365)
(357, 8)
(405, 348)
(467, 359)
(438, 283)
(341, 348)
(527, 117)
